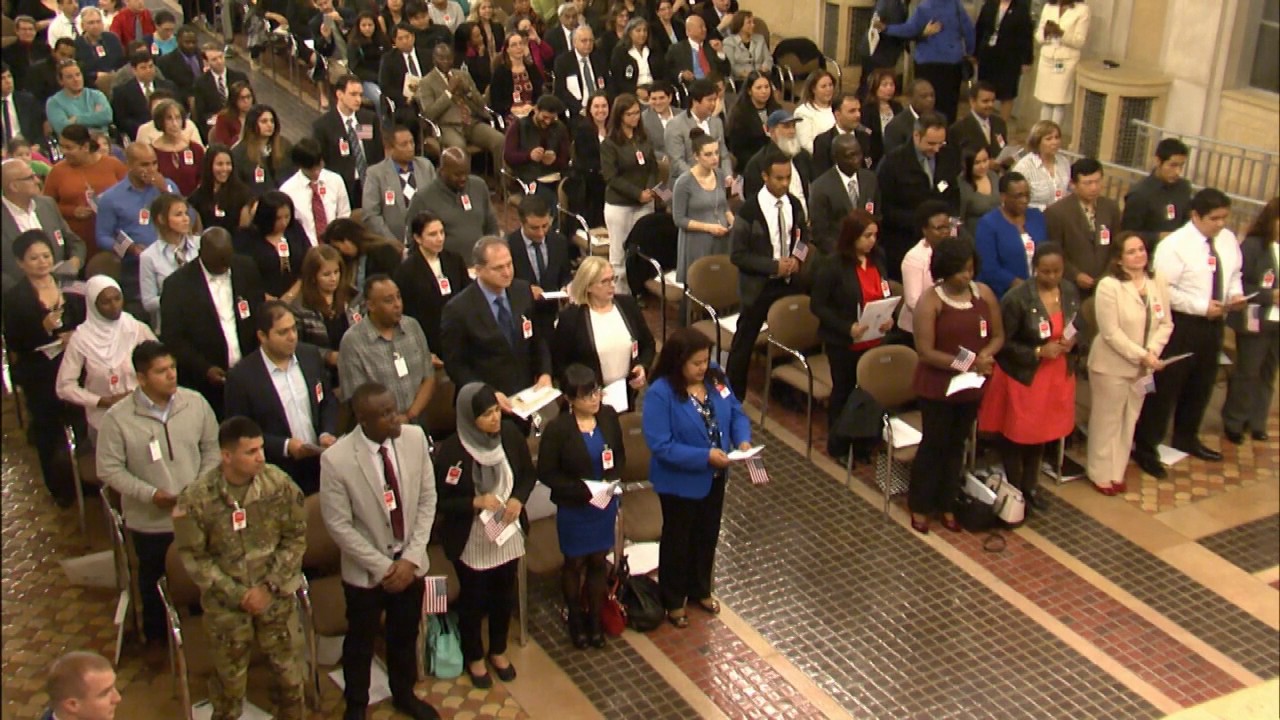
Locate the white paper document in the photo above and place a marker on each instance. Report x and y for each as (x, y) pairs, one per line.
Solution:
(498, 531)
(903, 434)
(615, 395)
(740, 455)
(1171, 360)
(730, 323)
(1273, 315)
(1169, 456)
(1010, 153)
(965, 381)
(875, 314)
(555, 295)
(671, 280)
(379, 684)
(203, 710)
(51, 350)
(602, 492)
(532, 399)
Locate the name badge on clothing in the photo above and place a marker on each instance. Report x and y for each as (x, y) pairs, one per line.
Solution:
(188, 157)
(319, 391)
(144, 216)
(259, 175)
(218, 211)
(389, 198)
(389, 499)
(526, 327)
(57, 237)
(1213, 264)
(282, 249)
(242, 308)
(1045, 329)
(982, 327)
(635, 349)
(1170, 212)
(402, 366)
(1269, 279)
(1104, 235)
(454, 475)
(153, 448)
(606, 458)
(239, 519)
(344, 149)
(466, 202)
(445, 287)
(639, 157)
(723, 390)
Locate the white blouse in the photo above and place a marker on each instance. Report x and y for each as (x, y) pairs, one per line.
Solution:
(1048, 184)
(613, 344)
(814, 122)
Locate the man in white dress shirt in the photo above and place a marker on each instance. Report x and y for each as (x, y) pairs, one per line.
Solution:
(1201, 262)
(319, 196)
(66, 24)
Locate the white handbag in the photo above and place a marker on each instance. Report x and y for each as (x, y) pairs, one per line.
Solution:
(1010, 506)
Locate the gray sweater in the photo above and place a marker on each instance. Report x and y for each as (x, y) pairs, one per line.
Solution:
(462, 227)
(187, 446)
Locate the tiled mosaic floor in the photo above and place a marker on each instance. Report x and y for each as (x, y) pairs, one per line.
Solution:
(1252, 547)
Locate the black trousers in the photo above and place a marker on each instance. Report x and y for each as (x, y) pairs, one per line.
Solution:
(744, 340)
(1182, 389)
(484, 593)
(1022, 465)
(150, 549)
(687, 553)
(365, 607)
(936, 472)
(47, 416)
(844, 378)
(945, 78)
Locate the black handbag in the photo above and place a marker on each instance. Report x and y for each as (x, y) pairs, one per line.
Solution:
(639, 595)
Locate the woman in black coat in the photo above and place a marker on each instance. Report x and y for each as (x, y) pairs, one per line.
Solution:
(38, 314)
(276, 243)
(430, 276)
(588, 182)
(665, 30)
(1004, 34)
(603, 330)
(583, 444)
(625, 70)
(485, 468)
(843, 284)
(744, 133)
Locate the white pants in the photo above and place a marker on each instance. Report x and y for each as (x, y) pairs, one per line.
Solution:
(618, 220)
(1056, 113)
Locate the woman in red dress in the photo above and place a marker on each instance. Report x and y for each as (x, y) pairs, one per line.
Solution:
(179, 158)
(1031, 398)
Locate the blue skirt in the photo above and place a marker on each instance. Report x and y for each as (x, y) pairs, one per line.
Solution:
(587, 529)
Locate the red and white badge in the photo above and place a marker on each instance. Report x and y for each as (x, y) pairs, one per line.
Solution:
(344, 149)
(319, 392)
(102, 51)
(144, 216)
(445, 287)
(1170, 212)
(1000, 140)
(321, 190)
(115, 381)
(454, 475)
(218, 211)
(356, 318)
(1213, 263)
(1159, 310)
(188, 157)
(635, 349)
(259, 175)
(884, 288)
(282, 249)
(466, 201)
(388, 198)
(982, 327)
(242, 308)
(155, 49)
(57, 237)
(239, 519)
(870, 207)
(639, 158)
(1057, 194)
(1269, 279)
(515, 98)
(389, 499)
(1028, 244)
(1104, 235)
(606, 458)
(1044, 329)
(723, 390)
(599, 82)
(526, 327)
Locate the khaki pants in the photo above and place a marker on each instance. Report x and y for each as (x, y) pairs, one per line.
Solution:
(1113, 414)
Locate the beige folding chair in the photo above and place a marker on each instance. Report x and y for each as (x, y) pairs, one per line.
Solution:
(886, 374)
(793, 331)
(711, 283)
(641, 511)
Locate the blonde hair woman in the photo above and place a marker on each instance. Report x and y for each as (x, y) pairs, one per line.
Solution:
(603, 330)
(1047, 172)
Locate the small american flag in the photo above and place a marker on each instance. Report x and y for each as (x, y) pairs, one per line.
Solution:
(494, 527)
(755, 468)
(963, 360)
(435, 599)
(603, 498)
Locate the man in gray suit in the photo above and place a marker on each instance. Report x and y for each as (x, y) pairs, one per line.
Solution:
(391, 184)
(378, 500)
(658, 115)
(26, 209)
(701, 113)
(838, 191)
(1084, 223)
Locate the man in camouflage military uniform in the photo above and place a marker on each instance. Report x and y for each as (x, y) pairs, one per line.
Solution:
(240, 532)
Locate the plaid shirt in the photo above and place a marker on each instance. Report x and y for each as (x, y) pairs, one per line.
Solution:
(365, 356)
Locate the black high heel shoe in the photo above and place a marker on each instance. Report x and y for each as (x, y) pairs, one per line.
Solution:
(578, 630)
(594, 631)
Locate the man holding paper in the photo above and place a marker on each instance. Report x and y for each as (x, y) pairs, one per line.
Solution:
(1201, 261)
(283, 386)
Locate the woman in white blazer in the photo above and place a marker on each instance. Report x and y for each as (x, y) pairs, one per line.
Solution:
(1061, 35)
(1134, 321)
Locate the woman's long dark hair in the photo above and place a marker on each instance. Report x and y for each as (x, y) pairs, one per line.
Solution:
(312, 263)
(743, 109)
(264, 217)
(251, 138)
(379, 38)
(621, 105)
(1116, 254)
(969, 157)
(676, 351)
(233, 184)
(1264, 225)
(851, 229)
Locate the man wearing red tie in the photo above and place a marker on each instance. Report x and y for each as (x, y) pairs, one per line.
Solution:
(319, 195)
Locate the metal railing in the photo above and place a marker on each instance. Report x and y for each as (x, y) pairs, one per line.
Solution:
(1240, 170)
(1117, 179)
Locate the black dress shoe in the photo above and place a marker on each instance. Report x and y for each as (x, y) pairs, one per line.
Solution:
(1200, 451)
(1152, 466)
(506, 674)
(1260, 435)
(416, 709)
(483, 682)
(1233, 437)
(354, 713)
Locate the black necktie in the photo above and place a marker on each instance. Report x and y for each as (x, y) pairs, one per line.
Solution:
(1217, 272)
(588, 82)
(538, 256)
(4, 111)
(504, 320)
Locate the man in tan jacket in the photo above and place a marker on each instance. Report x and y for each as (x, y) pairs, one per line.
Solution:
(449, 98)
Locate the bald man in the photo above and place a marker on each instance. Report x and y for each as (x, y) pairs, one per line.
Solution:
(124, 223)
(697, 57)
(24, 208)
(81, 686)
(207, 339)
(461, 200)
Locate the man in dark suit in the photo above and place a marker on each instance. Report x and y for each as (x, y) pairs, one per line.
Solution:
(21, 189)
(284, 387)
(540, 256)
(781, 126)
(350, 138)
(184, 66)
(560, 37)
(838, 191)
(898, 132)
(711, 60)
(213, 86)
(924, 169)
(889, 49)
(20, 112)
(488, 330)
(580, 73)
(983, 126)
(26, 52)
(404, 60)
(770, 241)
(718, 15)
(848, 112)
(1084, 223)
(207, 315)
(131, 103)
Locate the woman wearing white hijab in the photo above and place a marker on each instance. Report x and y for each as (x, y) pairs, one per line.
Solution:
(486, 466)
(101, 349)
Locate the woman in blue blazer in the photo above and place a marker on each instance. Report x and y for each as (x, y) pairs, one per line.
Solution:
(1007, 236)
(691, 422)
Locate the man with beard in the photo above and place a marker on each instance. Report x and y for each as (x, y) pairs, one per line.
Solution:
(781, 126)
(924, 169)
